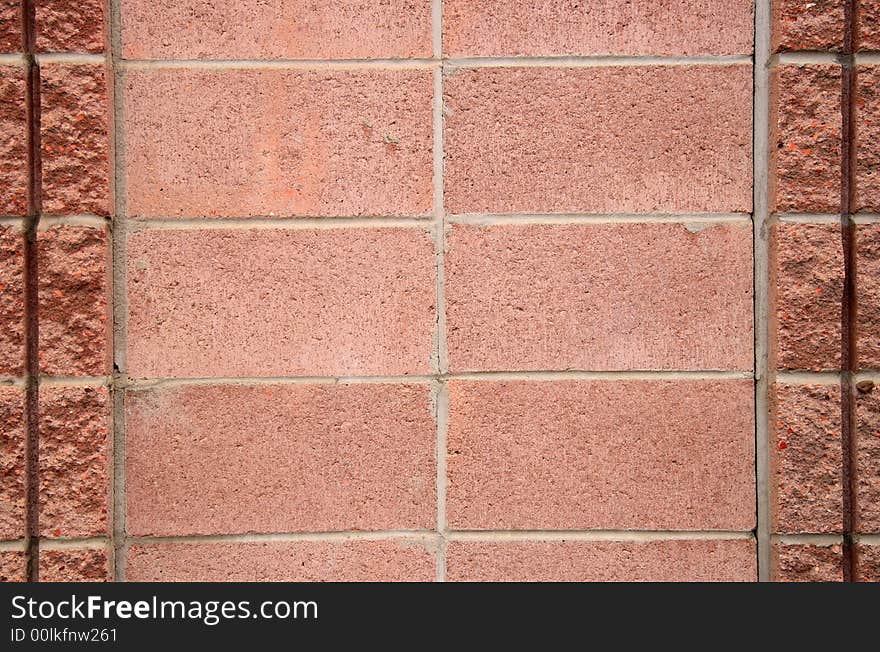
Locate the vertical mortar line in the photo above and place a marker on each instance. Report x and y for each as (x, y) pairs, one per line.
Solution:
(31, 298)
(848, 362)
(761, 255)
(117, 244)
(441, 362)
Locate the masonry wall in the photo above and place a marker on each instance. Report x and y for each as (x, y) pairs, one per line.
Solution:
(414, 290)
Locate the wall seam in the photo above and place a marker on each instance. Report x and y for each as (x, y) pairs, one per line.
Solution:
(31, 295)
(848, 308)
(761, 278)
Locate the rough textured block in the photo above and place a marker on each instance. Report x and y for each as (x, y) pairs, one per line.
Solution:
(868, 461)
(869, 24)
(806, 459)
(74, 566)
(806, 563)
(69, 25)
(11, 301)
(598, 140)
(327, 142)
(280, 303)
(814, 25)
(868, 295)
(301, 561)
(74, 131)
(13, 141)
(807, 281)
(12, 463)
(74, 315)
(868, 564)
(12, 566)
(805, 138)
(10, 26)
(601, 561)
(75, 448)
(609, 296)
(279, 458)
(868, 138)
(558, 27)
(674, 455)
(276, 29)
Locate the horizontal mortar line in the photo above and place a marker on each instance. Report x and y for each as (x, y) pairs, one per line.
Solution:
(75, 381)
(12, 381)
(807, 218)
(71, 58)
(13, 545)
(88, 543)
(282, 537)
(488, 376)
(596, 61)
(95, 221)
(866, 218)
(479, 219)
(806, 57)
(867, 539)
(807, 539)
(636, 536)
(276, 64)
(292, 223)
(16, 222)
(868, 58)
(868, 374)
(13, 59)
(808, 377)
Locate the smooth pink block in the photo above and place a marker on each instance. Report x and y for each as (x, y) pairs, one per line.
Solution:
(601, 561)
(280, 302)
(669, 455)
(556, 27)
(609, 296)
(301, 561)
(598, 140)
(240, 143)
(276, 29)
(279, 458)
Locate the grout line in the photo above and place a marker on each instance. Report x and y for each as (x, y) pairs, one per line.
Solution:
(290, 223)
(340, 222)
(75, 381)
(596, 61)
(635, 536)
(31, 295)
(805, 58)
(119, 305)
(848, 360)
(867, 539)
(481, 376)
(808, 539)
(16, 545)
(588, 61)
(11, 381)
(19, 223)
(868, 374)
(440, 362)
(69, 58)
(761, 276)
(808, 377)
(867, 58)
(288, 537)
(865, 218)
(808, 218)
(611, 218)
(452, 535)
(47, 221)
(90, 543)
(13, 59)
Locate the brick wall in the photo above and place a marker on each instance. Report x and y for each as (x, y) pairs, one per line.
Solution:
(414, 290)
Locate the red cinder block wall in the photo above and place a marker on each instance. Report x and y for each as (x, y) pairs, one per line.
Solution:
(440, 290)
